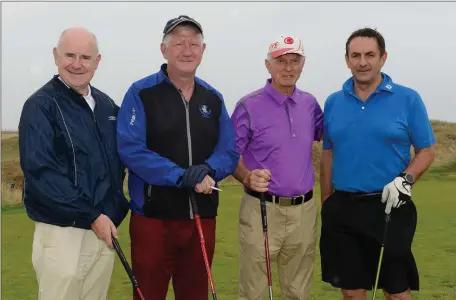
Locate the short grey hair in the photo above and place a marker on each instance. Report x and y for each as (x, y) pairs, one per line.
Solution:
(167, 37)
(269, 58)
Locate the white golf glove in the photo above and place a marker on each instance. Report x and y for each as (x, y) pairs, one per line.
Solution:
(396, 193)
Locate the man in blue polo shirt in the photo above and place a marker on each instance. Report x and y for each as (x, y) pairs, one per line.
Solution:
(367, 172)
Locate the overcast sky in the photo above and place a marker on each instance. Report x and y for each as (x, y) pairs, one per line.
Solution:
(419, 39)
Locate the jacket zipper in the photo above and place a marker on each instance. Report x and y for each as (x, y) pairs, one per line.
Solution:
(189, 141)
(100, 144)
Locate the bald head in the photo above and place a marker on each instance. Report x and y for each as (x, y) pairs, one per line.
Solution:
(77, 57)
(78, 35)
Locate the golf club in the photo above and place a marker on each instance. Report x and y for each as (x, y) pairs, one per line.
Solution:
(203, 244)
(387, 218)
(264, 220)
(127, 267)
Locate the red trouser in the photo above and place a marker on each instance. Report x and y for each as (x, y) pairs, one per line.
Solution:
(161, 249)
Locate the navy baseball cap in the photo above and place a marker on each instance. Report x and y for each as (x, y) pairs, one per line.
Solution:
(171, 24)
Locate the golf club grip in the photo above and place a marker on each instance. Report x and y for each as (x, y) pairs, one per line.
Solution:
(264, 219)
(266, 241)
(193, 202)
(387, 219)
(124, 262)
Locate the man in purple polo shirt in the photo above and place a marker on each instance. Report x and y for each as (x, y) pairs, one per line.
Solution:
(275, 128)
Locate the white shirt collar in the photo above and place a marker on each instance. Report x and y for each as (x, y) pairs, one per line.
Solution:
(89, 93)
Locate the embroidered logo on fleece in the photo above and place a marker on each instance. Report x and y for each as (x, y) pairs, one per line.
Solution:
(205, 111)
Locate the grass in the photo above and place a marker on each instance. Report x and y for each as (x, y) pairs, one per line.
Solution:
(434, 248)
(434, 244)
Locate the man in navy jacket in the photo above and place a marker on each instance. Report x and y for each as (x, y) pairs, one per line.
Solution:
(72, 175)
(174, 135)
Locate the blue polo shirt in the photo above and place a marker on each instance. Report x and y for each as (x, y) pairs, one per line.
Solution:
(371, 140)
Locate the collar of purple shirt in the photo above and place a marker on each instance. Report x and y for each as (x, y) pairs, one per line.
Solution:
(278, 96)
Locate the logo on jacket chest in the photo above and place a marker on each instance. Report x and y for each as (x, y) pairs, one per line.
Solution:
(205, 111)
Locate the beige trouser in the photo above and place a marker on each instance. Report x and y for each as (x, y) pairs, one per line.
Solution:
(71, 263)
(292, 232)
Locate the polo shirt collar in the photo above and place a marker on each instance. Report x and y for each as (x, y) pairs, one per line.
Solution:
(278, 96)
(387, 84)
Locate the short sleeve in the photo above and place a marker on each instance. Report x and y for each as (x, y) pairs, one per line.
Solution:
(318, 116)
(242, 126)
(420, 129)
(327, 145)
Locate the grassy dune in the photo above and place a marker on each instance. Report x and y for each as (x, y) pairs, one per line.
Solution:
(445, 133)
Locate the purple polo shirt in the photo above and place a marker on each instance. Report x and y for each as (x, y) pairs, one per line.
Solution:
(276, 132)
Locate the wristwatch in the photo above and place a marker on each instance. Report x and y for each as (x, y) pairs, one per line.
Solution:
(408, 178)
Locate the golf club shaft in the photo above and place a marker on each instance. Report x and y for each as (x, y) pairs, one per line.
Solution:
(203, 243)
(124, 262)
(387, 218)
(378, 273)
(206, 260)
(264, 222)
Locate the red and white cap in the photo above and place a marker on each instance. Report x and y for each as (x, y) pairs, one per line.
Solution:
(286, 44)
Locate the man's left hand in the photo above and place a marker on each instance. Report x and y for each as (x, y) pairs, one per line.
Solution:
(396, 193)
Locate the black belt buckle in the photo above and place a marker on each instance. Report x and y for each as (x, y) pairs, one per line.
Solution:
(288, 201)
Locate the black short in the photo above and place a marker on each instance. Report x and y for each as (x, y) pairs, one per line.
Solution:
(350, 242)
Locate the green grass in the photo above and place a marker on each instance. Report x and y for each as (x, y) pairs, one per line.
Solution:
(434, 248)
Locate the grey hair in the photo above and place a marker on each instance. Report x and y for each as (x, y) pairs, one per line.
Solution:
(269, 58)
(167, 37)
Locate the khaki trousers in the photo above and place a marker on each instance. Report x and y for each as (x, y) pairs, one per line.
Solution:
(71, 263)
(292, 233)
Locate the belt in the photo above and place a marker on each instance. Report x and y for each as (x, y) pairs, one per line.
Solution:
(283, 201)
(374, 194)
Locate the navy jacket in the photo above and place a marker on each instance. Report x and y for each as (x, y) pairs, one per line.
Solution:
(160, 134)
(68, 155)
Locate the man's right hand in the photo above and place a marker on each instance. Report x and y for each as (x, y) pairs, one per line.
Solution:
(195, 174)
(204, 186)
(258, 180)
(104, 229)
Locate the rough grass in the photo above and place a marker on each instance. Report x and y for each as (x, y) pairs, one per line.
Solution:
(434, 242)
(10, 196)
(434, 247)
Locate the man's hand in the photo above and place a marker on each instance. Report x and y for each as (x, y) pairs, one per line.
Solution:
(258, 180)
(104, 228)
(194, 175)
(396, 193)
(205, 185)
